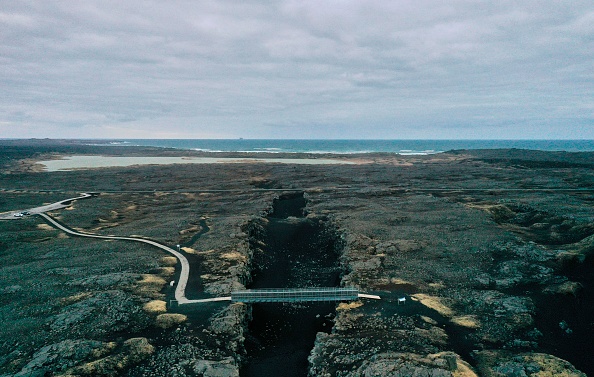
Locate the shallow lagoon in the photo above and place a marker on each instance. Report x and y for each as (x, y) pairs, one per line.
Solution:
(91, 162)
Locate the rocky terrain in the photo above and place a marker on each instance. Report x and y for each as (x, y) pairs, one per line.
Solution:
(492, 250)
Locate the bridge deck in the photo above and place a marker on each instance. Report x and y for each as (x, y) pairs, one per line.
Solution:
(295, 295)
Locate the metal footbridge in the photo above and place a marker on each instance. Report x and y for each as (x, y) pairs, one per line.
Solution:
(296, 295)
(313, 294)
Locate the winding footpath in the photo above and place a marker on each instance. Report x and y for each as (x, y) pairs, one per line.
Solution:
(50, 207)
(180, 290)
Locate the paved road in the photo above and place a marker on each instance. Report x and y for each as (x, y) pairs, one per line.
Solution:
(39, 210)
(180, 290)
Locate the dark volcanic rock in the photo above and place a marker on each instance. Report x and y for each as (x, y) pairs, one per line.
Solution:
(489, 254)
(60, 356)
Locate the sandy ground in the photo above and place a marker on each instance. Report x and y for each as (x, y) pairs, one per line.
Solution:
(90, 162)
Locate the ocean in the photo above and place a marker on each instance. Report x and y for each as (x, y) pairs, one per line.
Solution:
(405, 147)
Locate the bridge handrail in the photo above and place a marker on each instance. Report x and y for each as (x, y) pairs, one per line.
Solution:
(295, 294)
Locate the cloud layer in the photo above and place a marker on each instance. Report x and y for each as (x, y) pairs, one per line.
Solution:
(297, 69)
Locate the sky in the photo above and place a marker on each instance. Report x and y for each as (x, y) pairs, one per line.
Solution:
(393, 69)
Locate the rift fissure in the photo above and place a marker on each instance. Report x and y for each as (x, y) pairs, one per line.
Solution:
(291, 249)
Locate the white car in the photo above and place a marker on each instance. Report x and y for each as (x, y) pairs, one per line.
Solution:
(18, 215)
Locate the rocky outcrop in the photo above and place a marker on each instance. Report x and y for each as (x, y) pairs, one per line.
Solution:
(59, 357)
(86, 358)
(445, 364)
(494, 363)
(227, 268)
(541, 226)
(100, 314)
(357, 337)
(132, 351)
(395, 364)
(229, 327)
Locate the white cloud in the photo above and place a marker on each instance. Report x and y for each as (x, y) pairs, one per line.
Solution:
(331, 69)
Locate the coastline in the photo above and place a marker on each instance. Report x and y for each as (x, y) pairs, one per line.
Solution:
(78, 162)
(354, 146)
(312, 146)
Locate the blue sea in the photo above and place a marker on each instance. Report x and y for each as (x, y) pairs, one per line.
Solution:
(405, 147)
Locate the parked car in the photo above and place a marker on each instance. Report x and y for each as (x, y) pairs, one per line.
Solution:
(18, 215)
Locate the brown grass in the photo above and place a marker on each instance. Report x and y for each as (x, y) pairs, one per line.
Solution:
(189, 250)
(435, 303)
(192, 229)
(468, 321)
(105, 226)
(464, 370)
(168, 320)
(349, 306)
(234, 256)
(400, 281)
(74, 298)
(155, 306)
(150, 286)
(429, 320)
(44, 227)
(499, 212)
(134, 350)
(437, 286)
(166, 272)
(168, 261)
(152, 280)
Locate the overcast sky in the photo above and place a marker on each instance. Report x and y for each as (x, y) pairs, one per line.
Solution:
(388, 69)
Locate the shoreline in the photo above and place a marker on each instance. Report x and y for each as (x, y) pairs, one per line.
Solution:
(82, 162)
(332, 147)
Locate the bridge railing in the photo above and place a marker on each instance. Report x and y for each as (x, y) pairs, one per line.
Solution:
(295, 295)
